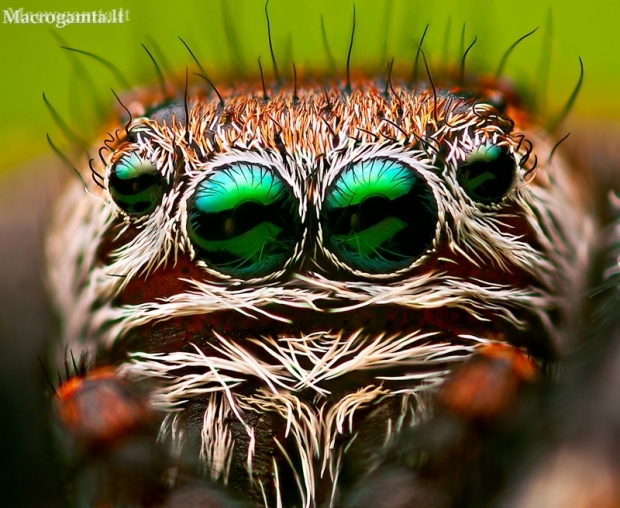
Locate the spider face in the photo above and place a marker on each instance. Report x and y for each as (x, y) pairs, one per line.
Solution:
(293, 274)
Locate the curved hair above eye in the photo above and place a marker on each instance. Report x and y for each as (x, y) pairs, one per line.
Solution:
(379, 216)
(487, 173)
(136, 185)
(243, 221)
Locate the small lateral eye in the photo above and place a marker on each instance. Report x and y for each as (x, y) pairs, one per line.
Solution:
(487, 173)
(379, 216)
(243, 221)
(136, 185)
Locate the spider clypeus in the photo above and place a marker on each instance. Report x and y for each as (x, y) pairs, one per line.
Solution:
(268, 290)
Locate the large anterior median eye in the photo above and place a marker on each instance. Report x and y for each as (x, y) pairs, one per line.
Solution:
(487, 173)
(379, 216)
(135, 184)
(243, 221)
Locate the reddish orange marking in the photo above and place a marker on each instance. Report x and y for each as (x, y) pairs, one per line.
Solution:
(485, 386)
(101, 409)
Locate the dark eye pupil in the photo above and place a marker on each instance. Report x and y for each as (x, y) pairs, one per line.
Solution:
(136, 185)
(372, 210)
(487, 174)
(236, 221)
(243, 221)
(379, 216)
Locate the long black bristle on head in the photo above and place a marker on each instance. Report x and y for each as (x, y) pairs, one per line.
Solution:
(76, 371)
(279, 142)
(414, 77)
(186, 105)
(100, 152)
(94, 175)
(329, 128)
(130, 116)
(49, 381)
(83, 362)
(222, 103)
(273, 56)
(74, 140)
(552, 152)
(534, 166)
(262, 79)
(462, 71)
(66, 363)
(430, 79)
(103, 161)
(328, 53)
(113, 68)
(396, 126)
(328, 103)
(462, 44)
(295, 97)
(203, 73)
(388, 79)
(569, 103)
(108, 143)
(376, 136)
(502, 63)
(521, 137)
(160, 75)
(526, 157)
(69, 163)
(193, 56)
(348, 86)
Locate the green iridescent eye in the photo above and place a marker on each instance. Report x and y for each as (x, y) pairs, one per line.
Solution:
(136, 185)
(243, 221)
(487, 173)
(379, 216)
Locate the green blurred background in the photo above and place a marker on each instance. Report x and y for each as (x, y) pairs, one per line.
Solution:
(33, 63)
